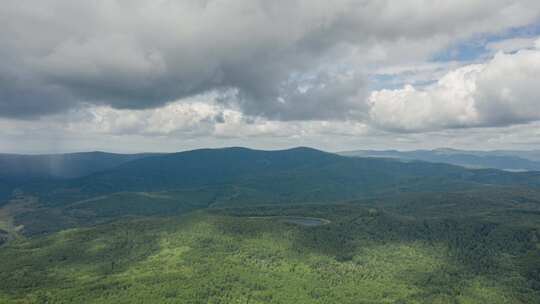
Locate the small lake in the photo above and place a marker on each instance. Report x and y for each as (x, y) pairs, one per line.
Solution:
(297, 220)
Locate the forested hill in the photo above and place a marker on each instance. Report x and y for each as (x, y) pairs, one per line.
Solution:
(5, 190)
(22, 168)
(231, 225)
(503, 160)
(16, 170)
(297, 175)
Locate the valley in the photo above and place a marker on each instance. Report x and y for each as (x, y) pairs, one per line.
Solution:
(269, 152)
(292, 226)
(362, 256)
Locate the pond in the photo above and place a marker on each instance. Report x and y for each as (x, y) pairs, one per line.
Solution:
(298, 220)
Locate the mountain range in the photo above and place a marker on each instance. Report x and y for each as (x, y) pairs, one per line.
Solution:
(148, 184)
(74, 228)
(498, 159)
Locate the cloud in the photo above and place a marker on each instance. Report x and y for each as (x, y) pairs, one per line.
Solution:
(500, 92)
(283, 60)
(80, 132)
(197, 117)
(445, 104)
(512, 44)
(196, 122)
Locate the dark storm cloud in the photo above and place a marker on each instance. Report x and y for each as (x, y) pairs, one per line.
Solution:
(323, 97)
(57, 54)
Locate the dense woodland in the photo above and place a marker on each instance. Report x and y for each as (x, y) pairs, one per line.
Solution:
(272, 234)
(364, 255)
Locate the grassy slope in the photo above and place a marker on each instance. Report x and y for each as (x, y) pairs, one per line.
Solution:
(225, 256)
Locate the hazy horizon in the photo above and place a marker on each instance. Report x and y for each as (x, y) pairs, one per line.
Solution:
(164, 76)
(374, 205)
(271, 149)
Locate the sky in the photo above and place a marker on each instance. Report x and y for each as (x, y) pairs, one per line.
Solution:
(161, 75)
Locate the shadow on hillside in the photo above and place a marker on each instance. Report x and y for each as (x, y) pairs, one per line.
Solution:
(473, 247)
(62, 258)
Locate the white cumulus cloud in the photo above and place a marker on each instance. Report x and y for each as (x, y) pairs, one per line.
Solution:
(502, 91)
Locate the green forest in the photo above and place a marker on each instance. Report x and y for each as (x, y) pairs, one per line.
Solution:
(257, 255)
(269, 152)
(295, 226)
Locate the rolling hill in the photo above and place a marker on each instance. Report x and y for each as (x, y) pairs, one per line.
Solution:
(22, 168)
(300, 174)
(17, 169)
(231, 225)
(503, 160)
(215, 178)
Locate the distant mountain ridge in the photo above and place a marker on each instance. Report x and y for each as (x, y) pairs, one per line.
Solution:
(298, 174)
(21, 167)
(176, 183)
(499, 159)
